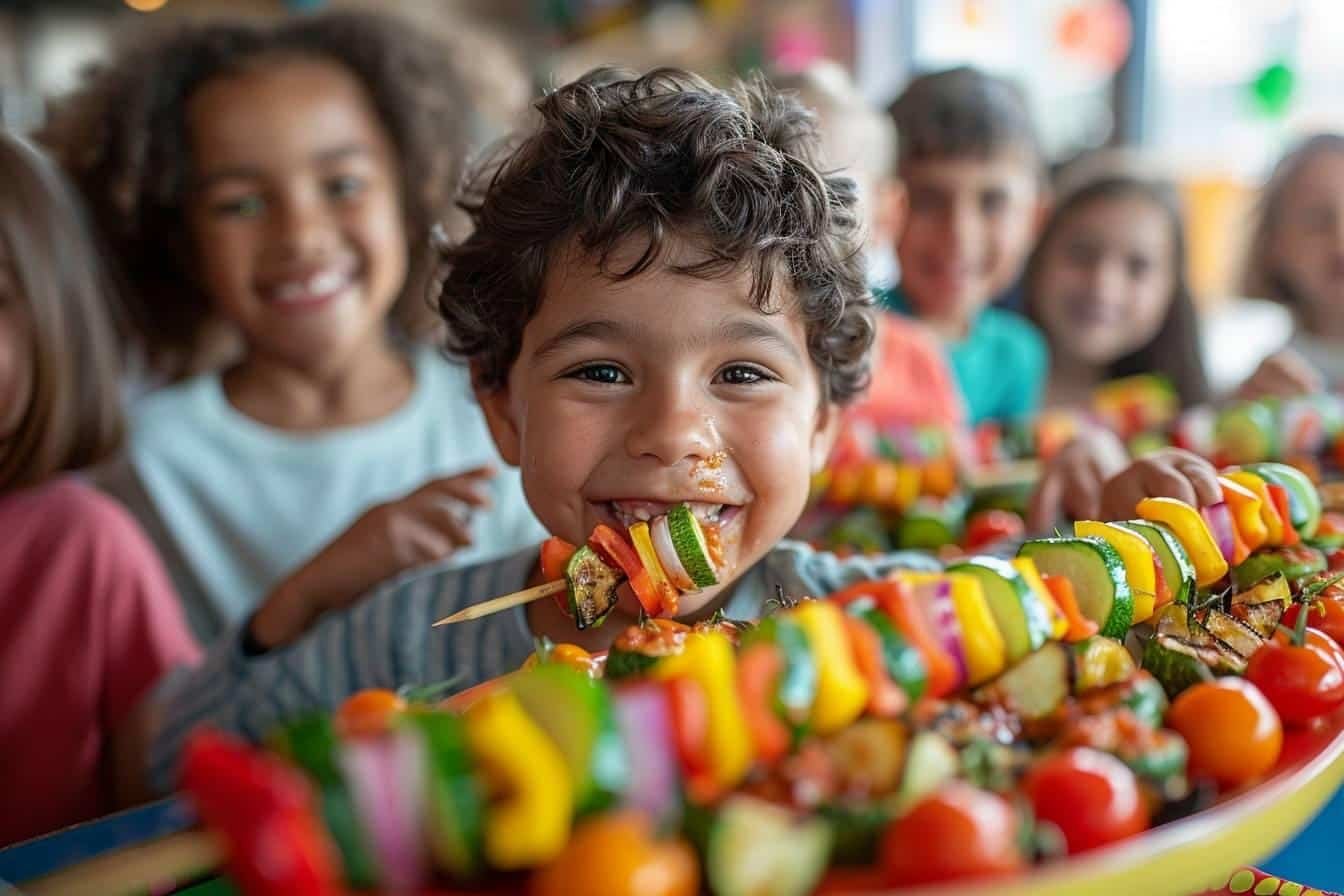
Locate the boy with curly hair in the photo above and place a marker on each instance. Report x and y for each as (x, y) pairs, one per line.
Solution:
(663, 301)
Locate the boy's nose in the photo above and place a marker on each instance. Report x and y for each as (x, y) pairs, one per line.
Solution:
(670, 429)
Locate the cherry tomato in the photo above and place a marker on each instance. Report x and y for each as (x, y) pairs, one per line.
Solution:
(1326, 614)
(1335, 560)
(555, 556)
(991, 526)
(1302, 682)
(616, 855)
(1092, 797)
(1233, 732)
(567, 655)
(957, 832)
(368, 713)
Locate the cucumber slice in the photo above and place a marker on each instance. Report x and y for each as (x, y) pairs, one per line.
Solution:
(1177, 569)
(929, 761)
(577, 714)
(758, 849)
(689, 541)
(1022, 619)
(1036, 686)
(592, 587)
(1097, 574)
(1179, 664)
(455, 804)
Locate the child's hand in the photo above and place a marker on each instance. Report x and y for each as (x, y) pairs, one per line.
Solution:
(1072, 481)
(1171, 473)
(1284, 374)
(423, 527)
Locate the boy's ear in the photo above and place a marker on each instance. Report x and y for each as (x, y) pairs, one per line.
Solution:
(829, 417)
(497, 405)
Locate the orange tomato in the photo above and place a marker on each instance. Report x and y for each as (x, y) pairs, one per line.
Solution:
(615, 854)
(1233, 732)
(567, 655)
(369, 713)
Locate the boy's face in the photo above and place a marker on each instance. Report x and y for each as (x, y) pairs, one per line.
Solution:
(629, 397)
(968, 231)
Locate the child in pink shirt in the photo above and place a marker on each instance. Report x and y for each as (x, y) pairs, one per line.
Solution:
(88, 620)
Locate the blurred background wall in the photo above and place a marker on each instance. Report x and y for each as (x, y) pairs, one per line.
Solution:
(1214, 89)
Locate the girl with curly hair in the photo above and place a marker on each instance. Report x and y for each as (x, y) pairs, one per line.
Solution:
(279, 186)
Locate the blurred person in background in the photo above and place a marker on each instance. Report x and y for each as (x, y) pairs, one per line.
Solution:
(88, 617)
(1296, 257)
(912, 383)
(284, 182)
(972, 166)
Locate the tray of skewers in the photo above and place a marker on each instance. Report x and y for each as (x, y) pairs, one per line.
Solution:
(1133, 707)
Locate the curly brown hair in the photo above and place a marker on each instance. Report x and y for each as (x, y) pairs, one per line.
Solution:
(659, 158)
(124, 139)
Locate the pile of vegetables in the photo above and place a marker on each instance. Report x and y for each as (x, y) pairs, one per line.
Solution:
(921, 728)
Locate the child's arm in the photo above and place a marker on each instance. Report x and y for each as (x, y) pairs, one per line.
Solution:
(382, 641)
(1284, 374)
(1171, 473)
(423, 527)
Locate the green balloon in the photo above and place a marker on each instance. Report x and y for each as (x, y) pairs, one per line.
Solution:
(1273, 89)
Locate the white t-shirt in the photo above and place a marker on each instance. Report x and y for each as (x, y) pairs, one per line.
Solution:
(235, 505)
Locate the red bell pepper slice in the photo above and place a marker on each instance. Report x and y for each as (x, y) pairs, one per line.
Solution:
(886, 699)
(1061, 589)
(555, 554)
(898, 601)
(758, 669)
(1279, 495)
(262, 808)
(612, 547)
(689, 709)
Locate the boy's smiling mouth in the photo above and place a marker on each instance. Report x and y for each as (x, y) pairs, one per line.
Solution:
(625, 512)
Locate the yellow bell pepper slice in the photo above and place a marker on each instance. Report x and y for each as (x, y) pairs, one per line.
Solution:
(1059, 623)
(530, 824)
(709, 660)
(1192, 532)
(842, 691)
(1269, 514)
(981, 639)
(1245, 509)
(1136, 554)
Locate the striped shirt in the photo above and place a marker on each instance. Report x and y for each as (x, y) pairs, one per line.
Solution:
(386, 640)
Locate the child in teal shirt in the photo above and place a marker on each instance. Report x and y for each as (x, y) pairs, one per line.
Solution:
(971, 166)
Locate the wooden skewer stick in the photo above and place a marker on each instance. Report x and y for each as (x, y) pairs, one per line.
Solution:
(496, 604)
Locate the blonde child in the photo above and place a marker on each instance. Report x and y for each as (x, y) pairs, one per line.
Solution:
(88, 619)
(282, 184)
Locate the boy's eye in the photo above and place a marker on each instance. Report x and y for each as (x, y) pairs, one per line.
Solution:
(743, 375)
(606, 374)
(240, 207)
(1138, 267)
(993, 201)
(344, 186)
